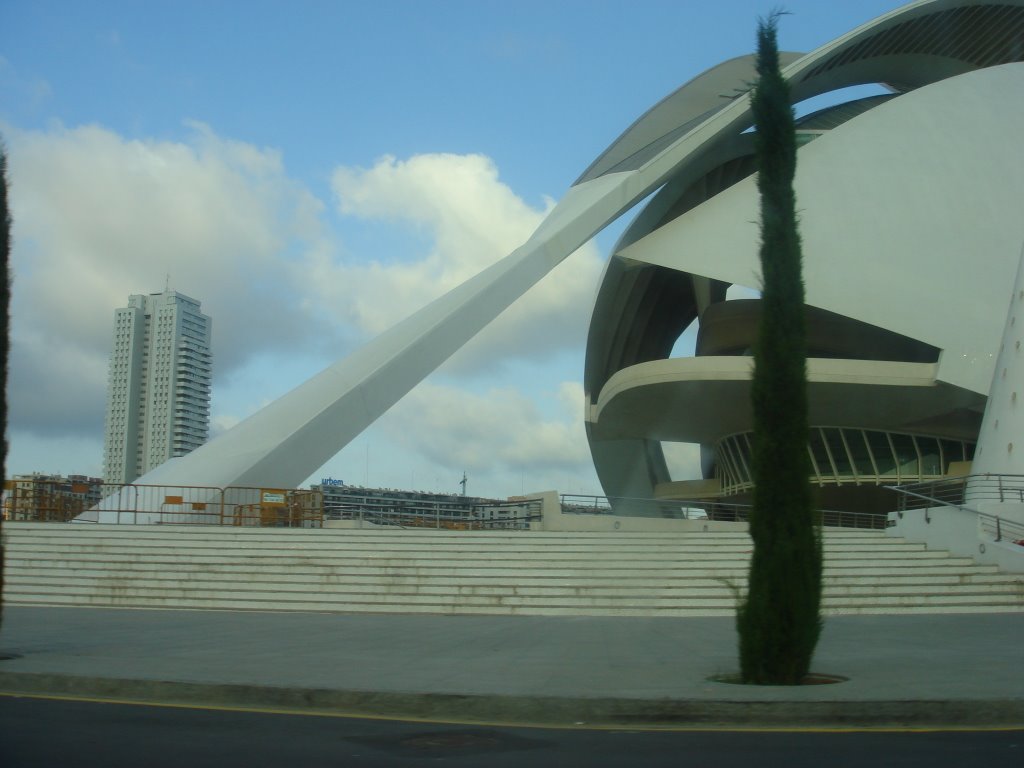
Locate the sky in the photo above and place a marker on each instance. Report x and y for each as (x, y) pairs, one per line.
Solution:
(314, 171)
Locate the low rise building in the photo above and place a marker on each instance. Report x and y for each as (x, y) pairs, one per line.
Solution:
(389, 506)
(49, 498)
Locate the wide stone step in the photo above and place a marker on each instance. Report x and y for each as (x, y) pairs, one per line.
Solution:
(284, 537)
(913, 576)
(491, 609)
(464, 558)
(326, 597)
(395, 593)
(968, 607)
(950, 563)
(122, 583)
(54, 573)
(227, 531)
(983, 590)
(437, 571)
(608, 550)
(950, 567)
(971, 598)
(445, 548)
(224, 532)
(507, 604)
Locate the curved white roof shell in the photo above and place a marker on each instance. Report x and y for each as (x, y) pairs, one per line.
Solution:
(909, 215)
(909, 222)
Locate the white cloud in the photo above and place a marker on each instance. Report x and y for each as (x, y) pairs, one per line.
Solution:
(503, 427)
(470, 220)
(221, 423)
(55, 388)
(499, 436)
(98, 217)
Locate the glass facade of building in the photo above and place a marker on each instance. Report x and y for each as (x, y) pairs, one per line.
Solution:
(844, 455)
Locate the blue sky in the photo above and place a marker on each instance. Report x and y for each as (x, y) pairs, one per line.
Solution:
(314, 171)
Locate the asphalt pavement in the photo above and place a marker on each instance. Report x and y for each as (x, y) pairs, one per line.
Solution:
(926, 670)
(39, 733)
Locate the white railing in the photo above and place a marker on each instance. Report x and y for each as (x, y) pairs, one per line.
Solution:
(965, 493)
(701, 510)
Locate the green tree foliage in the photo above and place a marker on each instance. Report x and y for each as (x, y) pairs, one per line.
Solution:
(779, 619)
(5, 304)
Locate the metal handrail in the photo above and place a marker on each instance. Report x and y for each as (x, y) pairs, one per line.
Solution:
(360, 513)
(160, 504)
(704, 510)
(248, 507)
(966, 489)
(972, 488)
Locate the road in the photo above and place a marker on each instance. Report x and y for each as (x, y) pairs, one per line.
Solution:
(55, 732)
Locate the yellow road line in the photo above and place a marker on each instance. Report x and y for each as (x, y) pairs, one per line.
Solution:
(579, 726)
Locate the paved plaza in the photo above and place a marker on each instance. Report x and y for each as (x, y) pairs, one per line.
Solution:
(925, 669)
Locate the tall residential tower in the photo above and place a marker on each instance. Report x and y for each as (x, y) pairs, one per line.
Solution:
(158, 389)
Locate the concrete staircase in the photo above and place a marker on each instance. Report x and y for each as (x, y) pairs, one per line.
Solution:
(486, 572)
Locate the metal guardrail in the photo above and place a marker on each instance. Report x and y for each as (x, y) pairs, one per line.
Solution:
(962, 493)
(578, 504)
(258, 507)
(702, 510)
(402, 512)
(179, 505)
(999, 528)
(831, 518)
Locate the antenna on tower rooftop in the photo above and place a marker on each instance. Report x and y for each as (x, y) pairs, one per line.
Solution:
(463, 483)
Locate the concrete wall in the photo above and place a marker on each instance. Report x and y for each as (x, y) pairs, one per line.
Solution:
(555, 520)
(952, 529)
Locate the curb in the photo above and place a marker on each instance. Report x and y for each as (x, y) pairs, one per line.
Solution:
(530, 710)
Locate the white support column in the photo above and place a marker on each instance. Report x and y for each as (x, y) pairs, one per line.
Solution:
(1000, 448)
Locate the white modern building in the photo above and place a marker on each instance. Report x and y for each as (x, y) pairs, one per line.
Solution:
(910, 246)
(912, 232)
(158, 388)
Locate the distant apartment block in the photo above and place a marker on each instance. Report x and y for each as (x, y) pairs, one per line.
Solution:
(158, 388)
(416, 509)
(42, 497)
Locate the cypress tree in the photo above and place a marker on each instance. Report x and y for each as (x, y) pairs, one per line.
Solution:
(779, 619)
(5, 303)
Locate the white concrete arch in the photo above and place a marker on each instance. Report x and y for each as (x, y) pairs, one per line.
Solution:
(283, 443)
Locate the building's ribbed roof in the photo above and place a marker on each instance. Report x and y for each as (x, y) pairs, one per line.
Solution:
(902, 48)
(983, 35)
